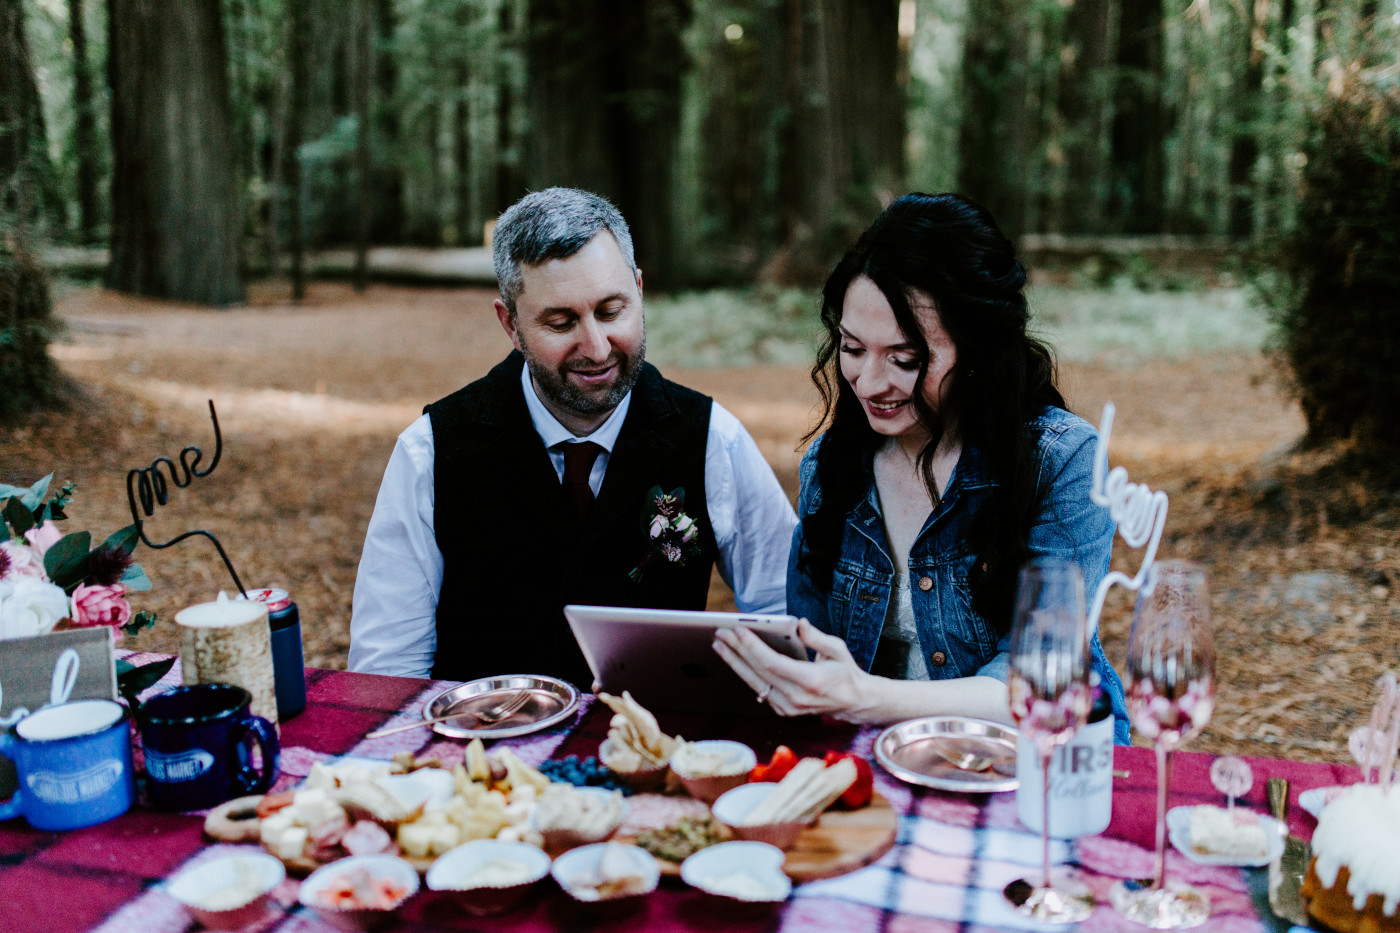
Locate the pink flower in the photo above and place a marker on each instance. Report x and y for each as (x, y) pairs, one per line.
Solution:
(101, 605)
(21, 561)
(43, 537)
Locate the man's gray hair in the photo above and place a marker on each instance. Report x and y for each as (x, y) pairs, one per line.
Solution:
(551, 224)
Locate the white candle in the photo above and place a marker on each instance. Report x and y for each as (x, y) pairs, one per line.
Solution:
(229, 642)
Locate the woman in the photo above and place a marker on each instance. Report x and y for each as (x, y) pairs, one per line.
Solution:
(948, 460)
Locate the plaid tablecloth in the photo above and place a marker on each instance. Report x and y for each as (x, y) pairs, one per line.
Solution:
(953, 855)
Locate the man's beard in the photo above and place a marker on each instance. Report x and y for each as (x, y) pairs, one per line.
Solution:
(555, 384)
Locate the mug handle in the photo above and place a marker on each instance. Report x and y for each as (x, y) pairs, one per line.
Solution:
(262, 731)
(11, 807)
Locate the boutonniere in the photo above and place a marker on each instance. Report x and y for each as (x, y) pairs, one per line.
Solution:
(672, 535)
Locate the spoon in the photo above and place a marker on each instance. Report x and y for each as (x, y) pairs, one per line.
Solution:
(493, 715)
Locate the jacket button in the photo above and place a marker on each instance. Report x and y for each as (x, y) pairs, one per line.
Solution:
(926, 584)
(938, 658)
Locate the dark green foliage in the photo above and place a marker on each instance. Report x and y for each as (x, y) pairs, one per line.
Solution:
(28, 377)
(1339, 310)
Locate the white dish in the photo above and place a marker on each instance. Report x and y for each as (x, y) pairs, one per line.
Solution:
(577, 868)
(229, 892)
(909, 751)
(1179, 830)
(716, 869)
(388, 867)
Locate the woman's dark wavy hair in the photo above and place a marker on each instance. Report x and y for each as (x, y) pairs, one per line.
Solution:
(949, 249)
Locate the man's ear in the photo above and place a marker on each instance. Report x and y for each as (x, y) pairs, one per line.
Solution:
(639, 283)
(508, 322)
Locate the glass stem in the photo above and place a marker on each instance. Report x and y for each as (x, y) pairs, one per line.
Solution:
(1163, 779)
(1045, 815)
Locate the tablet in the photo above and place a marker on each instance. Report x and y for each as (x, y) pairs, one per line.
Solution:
(666, 659)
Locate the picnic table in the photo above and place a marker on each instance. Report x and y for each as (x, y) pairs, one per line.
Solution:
(953, 855)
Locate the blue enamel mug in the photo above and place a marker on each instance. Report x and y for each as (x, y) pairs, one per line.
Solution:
(74, 766)
(199, 742)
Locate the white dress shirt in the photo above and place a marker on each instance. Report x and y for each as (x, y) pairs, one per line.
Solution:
(393, 625)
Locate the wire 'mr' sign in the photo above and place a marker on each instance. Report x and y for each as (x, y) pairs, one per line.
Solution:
(1139, 512)
(149, 487)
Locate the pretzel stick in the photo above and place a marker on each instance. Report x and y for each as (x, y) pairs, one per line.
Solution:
(772, 806)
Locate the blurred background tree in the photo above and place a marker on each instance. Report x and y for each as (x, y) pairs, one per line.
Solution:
(746, 140)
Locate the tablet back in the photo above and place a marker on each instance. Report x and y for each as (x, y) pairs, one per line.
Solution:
(666, 660)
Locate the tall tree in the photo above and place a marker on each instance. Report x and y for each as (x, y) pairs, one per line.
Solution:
(298, 39)
(364, 48)
(175, 218)
(993, 146)
(388, 173)
(843, 145)
(85, 133)
(24, 168)
(1085, 106)
(1136, 180)
(604, 94)
(1244, 147)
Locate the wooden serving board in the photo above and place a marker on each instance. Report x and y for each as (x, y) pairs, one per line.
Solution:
(839, 842)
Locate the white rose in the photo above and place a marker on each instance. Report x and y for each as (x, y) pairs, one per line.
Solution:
(658, 525)
(684, 523)
(21, 561)
(29, 607)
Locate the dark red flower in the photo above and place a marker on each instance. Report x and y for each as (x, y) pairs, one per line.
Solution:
(106, 566)
(4, 562)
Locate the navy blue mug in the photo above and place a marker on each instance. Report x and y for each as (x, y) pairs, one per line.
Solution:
(74, 765)
(199, 743)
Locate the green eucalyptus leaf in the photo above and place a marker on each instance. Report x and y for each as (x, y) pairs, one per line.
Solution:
(134, 578)
(133, 681)
(141, 620)
(18, 516)
(124, 540)
(66, 562)
(33, 497)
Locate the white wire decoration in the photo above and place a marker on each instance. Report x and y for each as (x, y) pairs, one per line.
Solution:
(1139, 512)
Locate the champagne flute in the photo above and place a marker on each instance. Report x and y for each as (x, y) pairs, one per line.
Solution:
(1050, 701)
(1171, 694)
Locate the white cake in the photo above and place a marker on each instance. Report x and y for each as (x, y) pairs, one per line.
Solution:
(1356, 861)
(1234, 833)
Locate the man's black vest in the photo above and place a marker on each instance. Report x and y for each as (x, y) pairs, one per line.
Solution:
(514, 551)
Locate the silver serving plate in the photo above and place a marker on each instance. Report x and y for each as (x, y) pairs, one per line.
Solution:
(910, 751)
(550, 702)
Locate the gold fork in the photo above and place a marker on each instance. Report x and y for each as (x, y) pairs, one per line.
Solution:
(495, 714)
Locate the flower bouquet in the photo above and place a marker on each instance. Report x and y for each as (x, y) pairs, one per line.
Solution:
(673, 535)
(51, 581)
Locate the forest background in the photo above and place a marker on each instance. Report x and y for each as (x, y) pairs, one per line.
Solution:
(1157, 160)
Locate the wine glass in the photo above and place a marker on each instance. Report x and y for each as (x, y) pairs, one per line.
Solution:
(1171, 693)
(1050, 701)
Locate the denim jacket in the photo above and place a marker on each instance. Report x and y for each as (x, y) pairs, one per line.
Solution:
(956, 640)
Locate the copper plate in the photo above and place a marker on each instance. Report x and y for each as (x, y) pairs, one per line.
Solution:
(550, 702)
(906, 750)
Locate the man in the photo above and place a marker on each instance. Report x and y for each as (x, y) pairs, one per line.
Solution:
(486, 524)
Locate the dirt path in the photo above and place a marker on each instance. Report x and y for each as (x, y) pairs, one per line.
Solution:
(311, 399)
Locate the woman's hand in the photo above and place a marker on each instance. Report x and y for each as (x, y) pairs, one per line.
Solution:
(832, 683)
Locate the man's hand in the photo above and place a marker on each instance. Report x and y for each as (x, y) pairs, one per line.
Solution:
(832, 683)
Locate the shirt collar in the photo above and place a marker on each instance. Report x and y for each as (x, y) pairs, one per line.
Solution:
(553, 433)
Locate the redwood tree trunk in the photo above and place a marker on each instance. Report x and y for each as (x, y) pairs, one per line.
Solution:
(86, 125)
(993, 145)
(23, 154)
(1136, 195)
(843, 149)
(604, 102)
(1084, 104)
(175, 217)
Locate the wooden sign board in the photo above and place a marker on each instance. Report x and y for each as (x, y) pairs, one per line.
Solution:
(27, 676)
(27, 668)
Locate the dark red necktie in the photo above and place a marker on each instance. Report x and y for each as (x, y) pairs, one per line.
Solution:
(578, 463)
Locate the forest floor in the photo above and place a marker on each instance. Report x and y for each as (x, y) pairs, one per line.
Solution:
(1304, 559)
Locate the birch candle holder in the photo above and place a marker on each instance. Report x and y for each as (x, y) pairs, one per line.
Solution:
(230, 642)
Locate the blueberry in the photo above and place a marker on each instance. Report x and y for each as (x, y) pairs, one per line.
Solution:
(571, 760)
